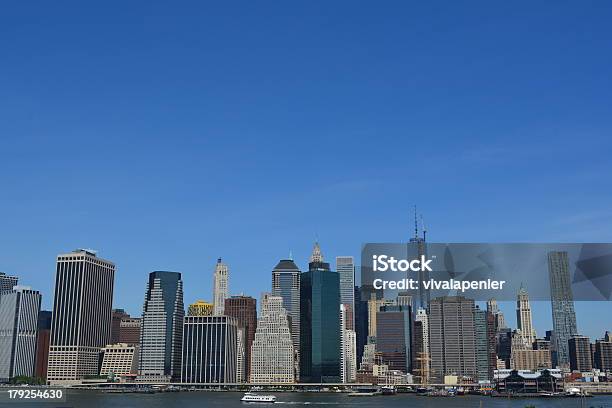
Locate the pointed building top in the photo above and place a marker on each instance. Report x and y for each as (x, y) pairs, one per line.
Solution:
(316, 256)
(416, 227)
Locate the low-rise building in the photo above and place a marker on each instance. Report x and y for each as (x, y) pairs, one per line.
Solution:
(119, 359)
(528, 381)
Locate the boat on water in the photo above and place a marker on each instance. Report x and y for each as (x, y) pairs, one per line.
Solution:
(365, 392)
(575, 393)
(388, 390)
(252, 397)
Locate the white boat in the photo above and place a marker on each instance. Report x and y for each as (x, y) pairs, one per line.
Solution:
(252, 397)
(365, 392)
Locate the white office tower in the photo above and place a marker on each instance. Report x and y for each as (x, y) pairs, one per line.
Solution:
(348, 348)
(523, 317)
(220, 288)
(345, 266)
(240, 356)
(82, 311)
(19, 309)
(272, 350)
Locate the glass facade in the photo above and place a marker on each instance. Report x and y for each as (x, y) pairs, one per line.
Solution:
(162, 323)
(320, 324)
(393, 324)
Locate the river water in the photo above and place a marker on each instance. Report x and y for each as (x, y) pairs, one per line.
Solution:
(200, 399)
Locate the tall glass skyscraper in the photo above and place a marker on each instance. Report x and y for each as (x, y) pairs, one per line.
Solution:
(319, 322)
(417, 247)
(162, 327)
(562, 299)
(210, 349)
(286, 284)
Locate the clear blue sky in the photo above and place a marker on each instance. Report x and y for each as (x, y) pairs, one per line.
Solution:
(168, 135)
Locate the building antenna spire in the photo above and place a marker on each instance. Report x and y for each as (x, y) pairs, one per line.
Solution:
(423, 228)
(290, 254)
(416, 227)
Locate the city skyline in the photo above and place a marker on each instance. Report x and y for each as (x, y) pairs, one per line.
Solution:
(541, 310)
(461, 336)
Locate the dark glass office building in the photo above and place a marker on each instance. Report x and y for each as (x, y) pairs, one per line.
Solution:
(161, 336)
(210, 347)
(393, 326)
(319, 322)
(286, 284)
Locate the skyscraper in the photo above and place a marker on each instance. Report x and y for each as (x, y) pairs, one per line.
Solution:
(81, 321)
(220, 287)
(523, 317)
(345, 266)
(580, 353)
(244, 309)
(393, 337)
(286, 284)
(603, 354)
(499, 320)
(362, 320)
(452, 337)
(348, 346)
(19, 309)
(272, 354)
(504, 345)
(319, 322)
(162, 328)
(491, 344)
(563, 314)
(482, 355)
(418, 247)
(210, 349)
